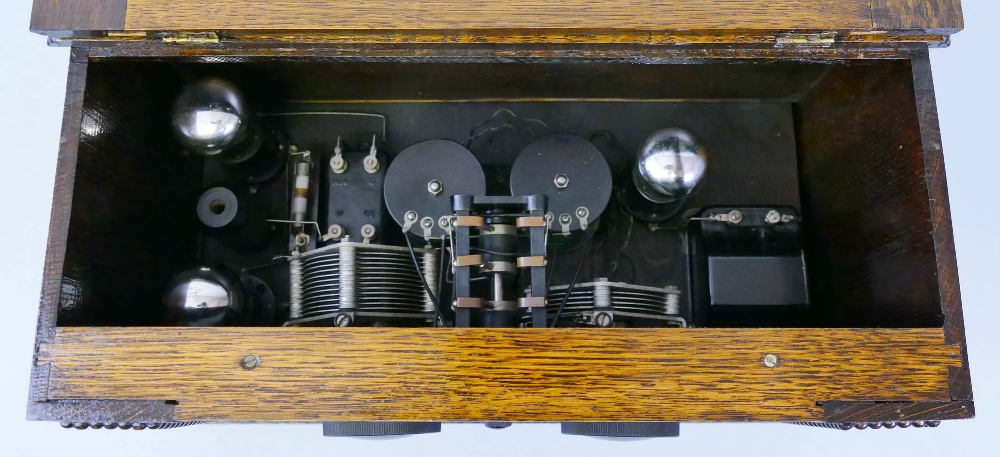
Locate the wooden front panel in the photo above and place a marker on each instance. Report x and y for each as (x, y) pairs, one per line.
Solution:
(314, 374)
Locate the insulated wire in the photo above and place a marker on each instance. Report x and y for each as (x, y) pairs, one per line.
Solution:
(420, 272)
(572, 284)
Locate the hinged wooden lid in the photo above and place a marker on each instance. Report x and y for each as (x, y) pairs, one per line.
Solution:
(499, 21)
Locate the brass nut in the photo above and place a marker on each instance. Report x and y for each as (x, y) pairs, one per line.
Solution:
(435, 187)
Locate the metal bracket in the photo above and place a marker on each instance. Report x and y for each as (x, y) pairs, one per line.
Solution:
(822, 39)
(473, 260)
(195, 38)
(532, 261)
(582, 213)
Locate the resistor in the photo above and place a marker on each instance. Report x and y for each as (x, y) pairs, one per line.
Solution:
(300, 195)
(295, 281)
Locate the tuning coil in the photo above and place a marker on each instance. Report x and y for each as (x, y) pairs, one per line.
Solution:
(350, 284)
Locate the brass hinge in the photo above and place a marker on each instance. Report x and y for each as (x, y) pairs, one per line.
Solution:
(191, 38)
(823, 40)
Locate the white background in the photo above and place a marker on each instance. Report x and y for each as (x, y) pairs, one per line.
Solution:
(32, 88)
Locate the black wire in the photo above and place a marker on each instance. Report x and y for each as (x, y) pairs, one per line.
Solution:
(488, 251)
(441, 268)
(552, 271)
(572, 284)
(420, 272)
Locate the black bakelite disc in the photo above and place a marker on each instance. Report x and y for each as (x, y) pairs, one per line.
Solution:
(558, 155)
(412, 171)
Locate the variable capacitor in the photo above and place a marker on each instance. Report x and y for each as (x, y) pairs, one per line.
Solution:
(571, 172)
(423, 178)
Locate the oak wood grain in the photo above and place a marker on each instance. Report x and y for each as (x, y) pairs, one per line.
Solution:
(56, 15)
(509, 53)
(848, 412)
(943, 15)
(102, 411)
(59, 220)
(314, 374)
(560, 36)
(497, 14)
(940, 209)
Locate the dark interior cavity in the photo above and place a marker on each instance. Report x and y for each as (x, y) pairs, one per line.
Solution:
(838, 142)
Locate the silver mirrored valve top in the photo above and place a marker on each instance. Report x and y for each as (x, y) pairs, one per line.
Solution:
(204, 296)
(670, 166)
(210, 116)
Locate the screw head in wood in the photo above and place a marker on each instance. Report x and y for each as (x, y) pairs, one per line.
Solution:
(250, 362)
(771, 360)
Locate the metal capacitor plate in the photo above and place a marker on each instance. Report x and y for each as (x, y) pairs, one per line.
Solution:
(444, 161)
(587, 176)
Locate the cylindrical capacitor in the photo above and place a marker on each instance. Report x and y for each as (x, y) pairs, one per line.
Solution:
(300, 194)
